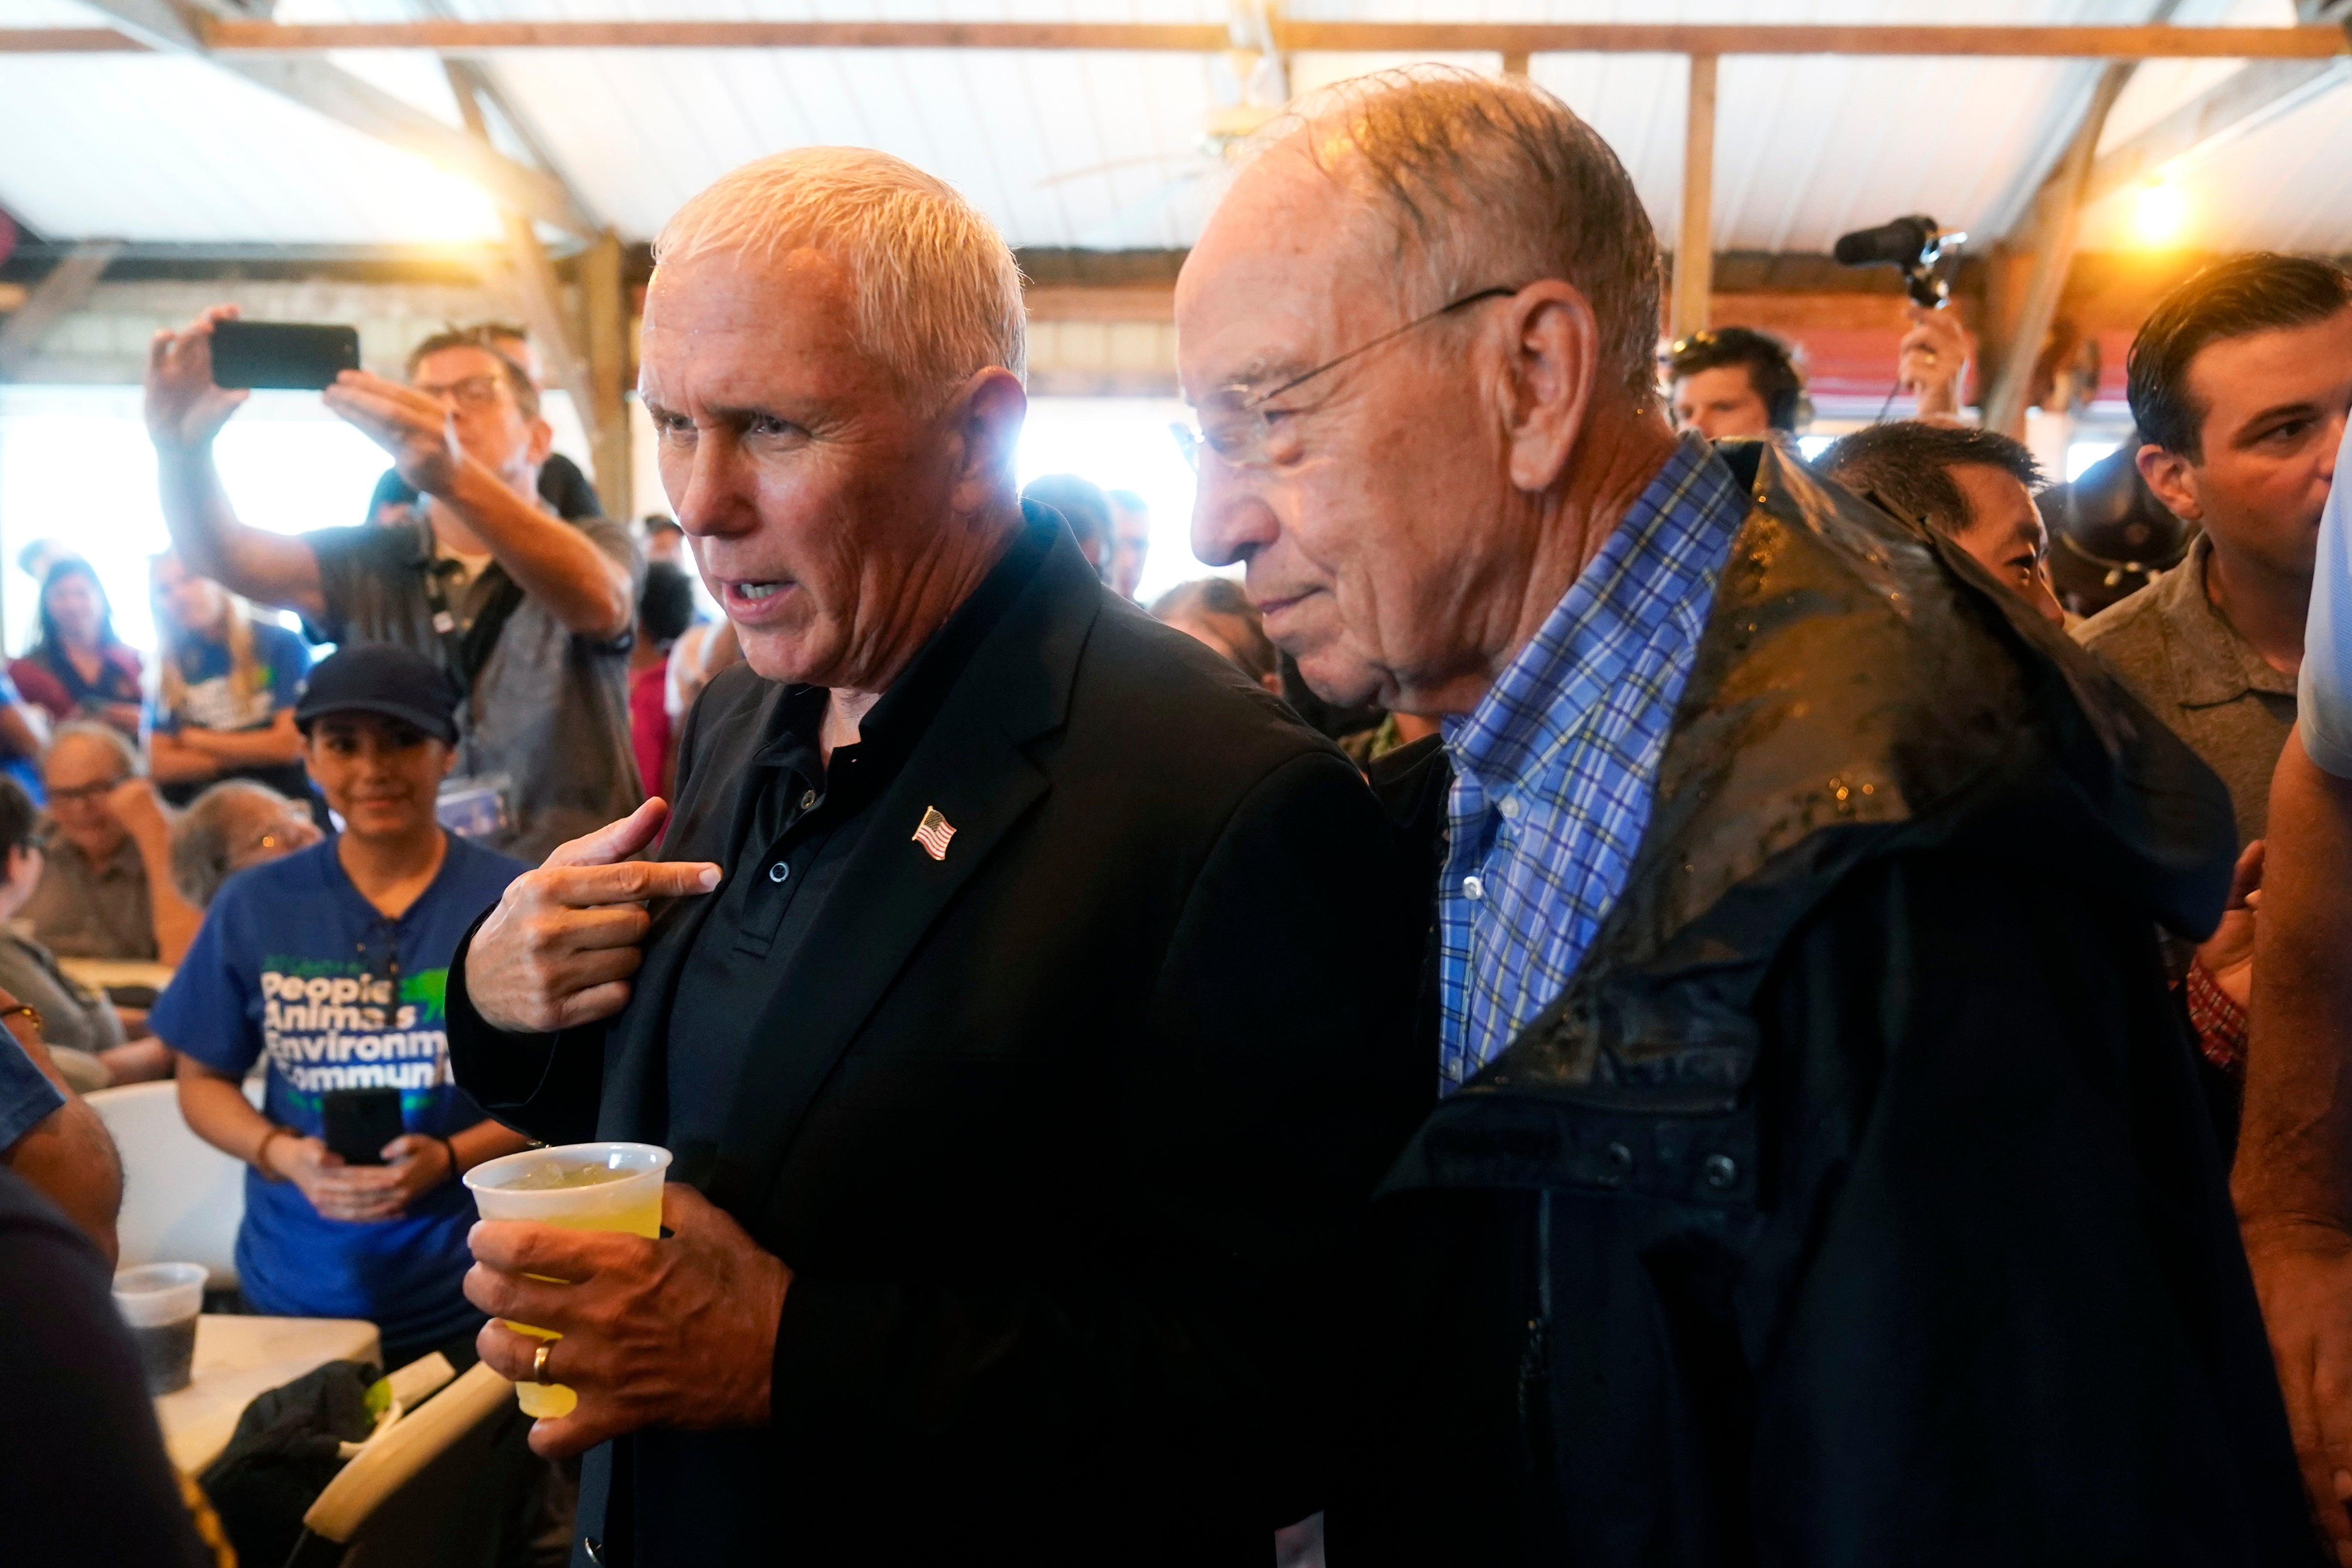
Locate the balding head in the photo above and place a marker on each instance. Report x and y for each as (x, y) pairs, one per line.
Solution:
(1468, 182)
(232, 825)
(1420, 332)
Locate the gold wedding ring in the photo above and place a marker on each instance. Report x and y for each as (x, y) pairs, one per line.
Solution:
(539, 1361)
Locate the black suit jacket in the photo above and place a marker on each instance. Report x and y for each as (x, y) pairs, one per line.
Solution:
(1057, 1133)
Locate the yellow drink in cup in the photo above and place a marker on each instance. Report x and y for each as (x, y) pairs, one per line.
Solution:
(580, 1186)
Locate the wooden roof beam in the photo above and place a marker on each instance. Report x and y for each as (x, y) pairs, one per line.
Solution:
(229, 37)
(329, 89)
(2249, 97)
(68, 283)
(2052, 228)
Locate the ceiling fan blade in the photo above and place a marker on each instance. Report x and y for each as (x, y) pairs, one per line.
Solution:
(1160, 158)
(1120, 223)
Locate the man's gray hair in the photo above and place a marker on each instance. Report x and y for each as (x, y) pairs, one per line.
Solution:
(935, 293)
(202, 847)
(1491, 183)
(105, 734)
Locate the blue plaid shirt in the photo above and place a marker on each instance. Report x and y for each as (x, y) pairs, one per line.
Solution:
(1554, 772)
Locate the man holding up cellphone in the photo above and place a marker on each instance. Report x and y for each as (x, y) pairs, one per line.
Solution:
(330, 962)
(531, 614)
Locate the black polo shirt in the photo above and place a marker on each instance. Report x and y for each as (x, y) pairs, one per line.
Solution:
(787, 853)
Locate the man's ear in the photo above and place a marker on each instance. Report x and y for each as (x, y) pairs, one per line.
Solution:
(1553, 366)
(985, 417)
(542, 440)
(2172, 479)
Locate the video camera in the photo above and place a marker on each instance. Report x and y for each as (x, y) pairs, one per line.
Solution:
(1913, 246)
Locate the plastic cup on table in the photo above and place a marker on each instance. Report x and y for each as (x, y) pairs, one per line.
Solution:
(580, 1186)
(161, 1302)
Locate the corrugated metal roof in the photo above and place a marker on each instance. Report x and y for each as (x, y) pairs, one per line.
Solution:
(149, 148)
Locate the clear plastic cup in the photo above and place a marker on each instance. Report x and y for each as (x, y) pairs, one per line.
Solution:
(161, 1302)
(580, 1186)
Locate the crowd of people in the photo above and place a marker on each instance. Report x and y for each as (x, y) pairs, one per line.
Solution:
(1729, 1045)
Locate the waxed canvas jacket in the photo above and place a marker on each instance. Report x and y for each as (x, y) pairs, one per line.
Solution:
(1855, 1204)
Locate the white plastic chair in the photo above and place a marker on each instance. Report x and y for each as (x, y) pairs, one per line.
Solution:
(181, 1198)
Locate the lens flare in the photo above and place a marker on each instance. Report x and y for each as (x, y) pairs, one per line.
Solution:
(2159, 215)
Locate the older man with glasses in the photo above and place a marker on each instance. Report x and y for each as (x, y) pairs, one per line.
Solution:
(106, 887)
(530, 613)
(1820, 1174)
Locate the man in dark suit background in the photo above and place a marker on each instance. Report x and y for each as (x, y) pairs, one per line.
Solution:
(966, 986)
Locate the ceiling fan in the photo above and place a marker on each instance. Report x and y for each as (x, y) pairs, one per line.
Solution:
(1250, 84)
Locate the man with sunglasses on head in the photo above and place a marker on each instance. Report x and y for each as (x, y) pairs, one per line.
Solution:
(530, 613)
(1734, 383)
(1820, 1174)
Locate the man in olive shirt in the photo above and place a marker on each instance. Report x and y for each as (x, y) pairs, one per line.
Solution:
(2237, 379)
(105, 890)
(530, 613)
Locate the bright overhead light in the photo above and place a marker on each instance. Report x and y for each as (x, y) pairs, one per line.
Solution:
(427, 204)
(2159, 214)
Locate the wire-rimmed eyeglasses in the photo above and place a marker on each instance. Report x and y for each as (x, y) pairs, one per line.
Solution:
(1239, 436)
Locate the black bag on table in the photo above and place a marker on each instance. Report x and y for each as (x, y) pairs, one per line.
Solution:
(287, 1447)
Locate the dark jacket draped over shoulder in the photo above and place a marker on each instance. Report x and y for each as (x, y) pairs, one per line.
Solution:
(1855, 1204)
(1058, 1133)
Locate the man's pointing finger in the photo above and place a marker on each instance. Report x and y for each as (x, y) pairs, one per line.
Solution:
(585, 887)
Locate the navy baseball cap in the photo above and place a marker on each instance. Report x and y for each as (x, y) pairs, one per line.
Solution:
(382, 678)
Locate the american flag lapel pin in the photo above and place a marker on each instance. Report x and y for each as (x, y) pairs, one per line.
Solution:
(934, 834)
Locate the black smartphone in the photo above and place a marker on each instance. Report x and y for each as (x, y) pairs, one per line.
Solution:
(361, 1121)
(296, 354)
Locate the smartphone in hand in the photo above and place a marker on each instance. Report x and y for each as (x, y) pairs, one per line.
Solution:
(360, 1123)
(291, 354)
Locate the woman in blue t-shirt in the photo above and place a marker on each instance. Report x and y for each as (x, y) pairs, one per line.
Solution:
(329, 964)
(225, 690)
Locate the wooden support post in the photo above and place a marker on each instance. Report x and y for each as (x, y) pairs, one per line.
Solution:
(2022, 316)
(538, 295)
(538, 299)
(68, 283)
(2049, 237)
(1514, 62)
(1694, 245)
(606, 312)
